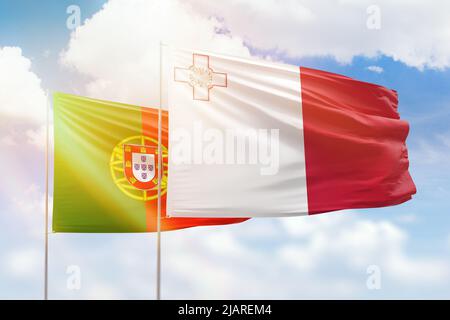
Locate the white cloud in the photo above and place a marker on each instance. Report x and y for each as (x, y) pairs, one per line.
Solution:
(339, 28)
(111, 266)
(28, 208)
(21, 94)
(22, 263)
(434, 150)
(37, 137)
(376, 69)
(326, 259)
(23, 105)
(30, 201)
(22, 115)
(118, 48)
(360, 242)
(308, 257)
(8, 140)
(47, 53)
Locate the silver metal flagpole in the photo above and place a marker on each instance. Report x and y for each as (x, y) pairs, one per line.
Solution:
(160, 164)
(47, 134)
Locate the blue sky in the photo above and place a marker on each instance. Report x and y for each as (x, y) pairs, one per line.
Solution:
(38, 29)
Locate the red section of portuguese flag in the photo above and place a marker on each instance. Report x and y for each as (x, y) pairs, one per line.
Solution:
(150, 129)
(355, 150)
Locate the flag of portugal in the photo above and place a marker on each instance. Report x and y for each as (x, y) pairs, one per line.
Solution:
(106, 168)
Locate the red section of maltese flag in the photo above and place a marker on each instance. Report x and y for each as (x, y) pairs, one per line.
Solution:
(355, 150)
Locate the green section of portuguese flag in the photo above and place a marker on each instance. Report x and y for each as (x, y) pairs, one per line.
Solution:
(86, 198)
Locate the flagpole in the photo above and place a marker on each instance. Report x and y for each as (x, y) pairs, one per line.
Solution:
(47, 135)
(160, 164)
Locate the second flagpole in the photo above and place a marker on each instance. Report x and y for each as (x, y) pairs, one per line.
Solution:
(160, 163)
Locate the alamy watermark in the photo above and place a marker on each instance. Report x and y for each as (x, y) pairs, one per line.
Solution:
(74, 19)
(373, 21)
(73, 281)
(230, 146)
(373, 281)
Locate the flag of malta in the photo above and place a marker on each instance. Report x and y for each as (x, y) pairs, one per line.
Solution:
(253, 138)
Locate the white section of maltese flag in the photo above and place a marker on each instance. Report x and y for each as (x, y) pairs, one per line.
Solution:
(236, 138)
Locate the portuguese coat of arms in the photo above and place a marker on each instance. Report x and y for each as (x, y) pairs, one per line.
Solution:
(140, 166)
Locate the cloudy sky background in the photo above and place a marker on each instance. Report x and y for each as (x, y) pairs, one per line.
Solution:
(113, 55)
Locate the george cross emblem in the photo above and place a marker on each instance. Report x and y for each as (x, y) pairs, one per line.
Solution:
(200, 77)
